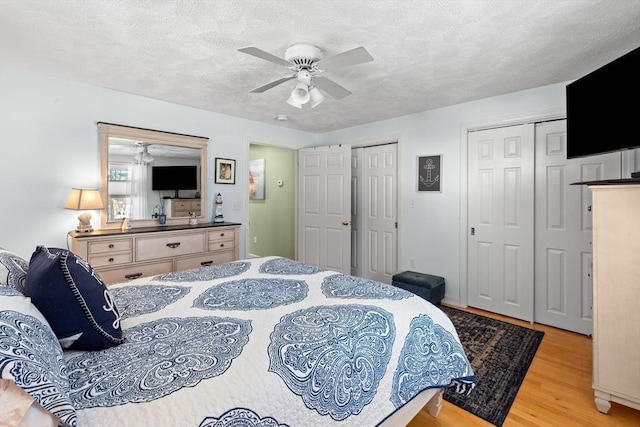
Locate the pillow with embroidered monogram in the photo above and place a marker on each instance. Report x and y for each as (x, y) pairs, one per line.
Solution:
(73, 299)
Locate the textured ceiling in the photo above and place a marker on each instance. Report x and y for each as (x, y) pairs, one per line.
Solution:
(428, 53)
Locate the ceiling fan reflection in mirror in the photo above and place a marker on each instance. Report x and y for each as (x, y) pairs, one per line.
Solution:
(306, 63)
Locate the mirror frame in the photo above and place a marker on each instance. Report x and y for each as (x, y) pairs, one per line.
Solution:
(107, 130)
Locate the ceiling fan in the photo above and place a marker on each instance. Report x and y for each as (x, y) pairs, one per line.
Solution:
(307, 63)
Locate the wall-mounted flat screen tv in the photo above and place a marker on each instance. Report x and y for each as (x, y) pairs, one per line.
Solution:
(174, 178)
(602, 108)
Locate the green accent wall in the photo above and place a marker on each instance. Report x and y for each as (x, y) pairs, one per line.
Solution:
(272, 220)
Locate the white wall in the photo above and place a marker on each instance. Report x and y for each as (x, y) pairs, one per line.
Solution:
(429, 232)
(49, 143)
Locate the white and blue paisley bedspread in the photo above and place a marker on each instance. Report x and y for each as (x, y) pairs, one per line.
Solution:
(265, 342)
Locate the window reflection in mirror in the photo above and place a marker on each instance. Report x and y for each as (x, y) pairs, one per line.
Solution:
(145, 171)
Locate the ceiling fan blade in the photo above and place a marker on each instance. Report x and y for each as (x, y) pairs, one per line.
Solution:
(259, 53)
(274, 83)
(355, 56)
(331, 87)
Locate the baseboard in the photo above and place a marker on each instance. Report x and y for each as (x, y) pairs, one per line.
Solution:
(453, 301)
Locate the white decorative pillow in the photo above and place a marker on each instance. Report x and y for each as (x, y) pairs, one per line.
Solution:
(13, 270)
(31, 356)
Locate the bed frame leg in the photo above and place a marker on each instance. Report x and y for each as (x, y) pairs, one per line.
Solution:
(435, 404)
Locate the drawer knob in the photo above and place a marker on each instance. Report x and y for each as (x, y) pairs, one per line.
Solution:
(206, 263)
(111, 246)
(111, 260)
(222, 245)
(133, 276)
(173, 245)
(221, 234)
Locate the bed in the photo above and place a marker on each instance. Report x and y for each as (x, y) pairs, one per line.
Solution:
(256, 342)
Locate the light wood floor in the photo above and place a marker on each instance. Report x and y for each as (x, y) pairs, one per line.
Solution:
(556, 391)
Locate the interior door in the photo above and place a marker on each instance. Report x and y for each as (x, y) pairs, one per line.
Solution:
(324, 208)
(357, 195)
(563, 255)
(380, 212)
(501, 220)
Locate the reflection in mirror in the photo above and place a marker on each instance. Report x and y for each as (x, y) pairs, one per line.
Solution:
(143, 177)
(147, 173)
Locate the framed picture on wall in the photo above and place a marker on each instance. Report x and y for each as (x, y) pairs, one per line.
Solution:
(225, 171)
(429, 171)
(256, 179)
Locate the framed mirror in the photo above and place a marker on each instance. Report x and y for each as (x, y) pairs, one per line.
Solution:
(147, 173)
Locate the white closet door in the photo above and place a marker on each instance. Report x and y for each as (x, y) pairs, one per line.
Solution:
(357, 195)
(324, 207)
(563, 256)
(501, 220)
(380, 212)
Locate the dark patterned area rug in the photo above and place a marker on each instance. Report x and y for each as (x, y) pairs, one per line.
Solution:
(500, 354)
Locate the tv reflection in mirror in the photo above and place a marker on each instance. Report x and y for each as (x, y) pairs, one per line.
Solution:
(174, 178)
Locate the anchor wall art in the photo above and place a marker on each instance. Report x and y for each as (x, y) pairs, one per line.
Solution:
(430, 173)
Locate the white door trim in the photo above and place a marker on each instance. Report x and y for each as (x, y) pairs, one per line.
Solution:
(465, 128)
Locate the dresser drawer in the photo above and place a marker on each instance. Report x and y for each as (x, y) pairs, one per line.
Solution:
(117, 275)
(204, 260)
(216, 245)
(180, 205)
(148, 248)
(218, 235)
(107, 246)
(110, 259)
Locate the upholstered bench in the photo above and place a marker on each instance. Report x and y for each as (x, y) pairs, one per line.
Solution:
(426, 286)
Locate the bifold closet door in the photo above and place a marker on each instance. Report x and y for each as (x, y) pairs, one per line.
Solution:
(501, 220)
(380, 248)
(563, 254)
(357, 217)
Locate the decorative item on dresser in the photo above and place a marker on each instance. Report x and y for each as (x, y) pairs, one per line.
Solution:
(616, 293)
(119, 255)
(181, 207)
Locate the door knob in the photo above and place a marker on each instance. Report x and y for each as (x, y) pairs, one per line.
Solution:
(346, 222)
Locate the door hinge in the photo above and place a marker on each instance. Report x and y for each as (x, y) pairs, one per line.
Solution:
(473, 231)
(396, 225)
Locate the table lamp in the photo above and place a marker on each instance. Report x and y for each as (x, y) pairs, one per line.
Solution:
(83, 199)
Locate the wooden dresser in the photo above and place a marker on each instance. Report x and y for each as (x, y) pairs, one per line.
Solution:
(616, 295)
(181, 207)
(119, 255)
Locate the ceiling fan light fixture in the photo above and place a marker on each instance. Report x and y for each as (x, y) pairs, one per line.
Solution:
(307, 61)
(293, 101)
(300, 94)
(146, 157)
(316, 96)
(142, 153)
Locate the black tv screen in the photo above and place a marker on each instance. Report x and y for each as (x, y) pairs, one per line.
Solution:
(602, 108)
(174, 178)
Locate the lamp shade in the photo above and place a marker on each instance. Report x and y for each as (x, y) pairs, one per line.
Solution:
(316, 96)
(84, 199)
(301, 93)
(293, 102)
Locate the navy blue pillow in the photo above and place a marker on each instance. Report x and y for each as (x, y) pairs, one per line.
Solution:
(73, 299)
